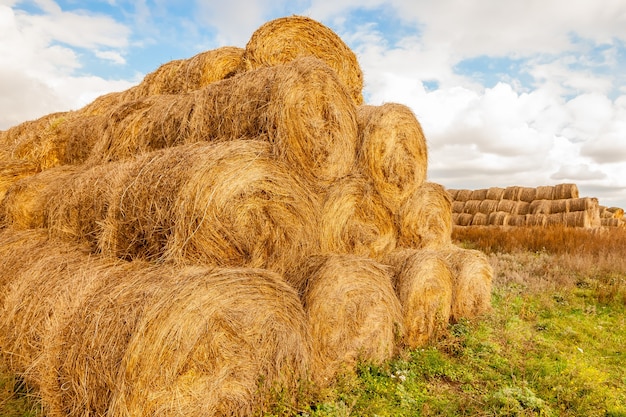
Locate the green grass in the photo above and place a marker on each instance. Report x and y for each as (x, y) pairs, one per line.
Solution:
(553, 345)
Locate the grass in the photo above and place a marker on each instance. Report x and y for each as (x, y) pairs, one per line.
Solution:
(553, 344)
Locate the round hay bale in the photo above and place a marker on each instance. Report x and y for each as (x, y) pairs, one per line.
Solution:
(425, 220)
(545, 192)
(472, 277)
(285, 39)
(527, 194)
(11, 170)
(610, 222)
(565, 191)
(480, 194)
(518, 220)
(559, 206)
(480, 219)
(536, 220)
(354, 220)
(462, 219)
(392, 151)
(300, 108)
(555, 219)
(228, 204)
(488, 206)
(495, 193)
(423, 284)
(463, 195)
(24, 205)
(512, 193)
(523, 207)
(458, 206)
(353, 313)
(507, 206)
(540, 207)
(498, 218)
(453, 193)
(578, 219)
(472, 206)
(583, 203)
(618, 213)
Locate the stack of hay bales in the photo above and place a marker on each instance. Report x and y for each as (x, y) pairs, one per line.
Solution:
(612, 216)
(526, 206)
(238, 226)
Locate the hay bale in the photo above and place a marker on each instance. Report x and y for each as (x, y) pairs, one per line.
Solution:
(565, 191)
(25, 202)
(508, 206)
(11, 170)
(392, 151)
(352, 310)
(545, 192)
(480, 194)
(472, 277)
(498, 218)
(423, 283)
(472, 206)
(354, 220)
(540, 207)
(463, 195)
(527, 194)
(581, 218)
(618, 213)
(495, 193)
(523, 207)
(555, 219)
(583, 204)
(300, 108)
(228, 204)
(190, 342)
(488, 206)
(560, 206)
(453, 193)
(480, 219)
(512, 193)
(285, 39)
(611, 222)
(462, 219)
(536, 219)
(425, 220)
(518, 220)
(458, 206)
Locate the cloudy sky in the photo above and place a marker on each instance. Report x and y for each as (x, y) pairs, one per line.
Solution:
(509, 92)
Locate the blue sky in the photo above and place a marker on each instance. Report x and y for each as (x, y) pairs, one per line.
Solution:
(509, 92)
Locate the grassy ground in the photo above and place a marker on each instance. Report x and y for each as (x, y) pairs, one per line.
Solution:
(553, 345)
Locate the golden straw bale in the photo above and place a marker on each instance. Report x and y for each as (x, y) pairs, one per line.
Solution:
(512, 193)
(536, 219)
(190, 342)
(453, 193)
(498, 218)
(472, 277)
(583, 203)
(353, 312)
(605, 213)
(282, 40)
(300, 108)
(518, 220)
(458, 206)
(472, 206)
(545, 192)
(354, 220)
(565, 191)
(508, 206)
(618, 213)
(488, 206)
(11, 170)
(555, 219)
(495, 193)
(527, 194)
(480, 219)
(392, 151)
(463, 195)
(462, 219)
(425, 220)
(611, 222)
(480, 194)
(523, 207)
(423, 283)
(25, 202)
(223, 204)
(540, 207)
(560, 206)
(581, 218)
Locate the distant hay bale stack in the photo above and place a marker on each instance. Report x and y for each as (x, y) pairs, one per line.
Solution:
(540, 207)
(618, 213)
(462, 219)
(25, 202)
(425, 219)
(458, 206)
(480, 219)
(565, 191)
(213, 342)
(12, 170)
(472, 206)
(463, 195)
(545, 192)
(285, 39)
(479, 194)
(228, 204)
(392, 151)
(472, 277)
(354, 220)
(300, 108)
(494, 193)
(488, 206)
(423, 283)
(498, 218)
(353, 313)
(527, 194)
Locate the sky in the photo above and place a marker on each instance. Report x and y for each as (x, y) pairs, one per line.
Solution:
(508, 92)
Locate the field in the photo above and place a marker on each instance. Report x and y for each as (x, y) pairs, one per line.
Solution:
(553, 344)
